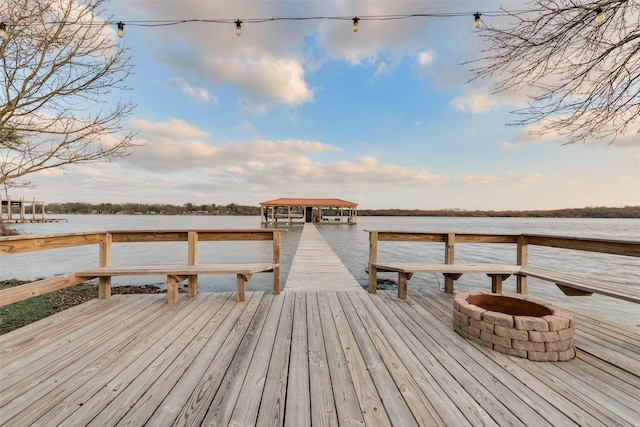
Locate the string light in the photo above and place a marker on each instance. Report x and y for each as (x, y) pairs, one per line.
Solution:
(355, 20)
(599, 15)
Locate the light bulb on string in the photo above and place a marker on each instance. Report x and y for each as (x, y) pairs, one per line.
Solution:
(355, 24)
(120, 29)
(3, 30)
(599, 15)
(476, 20)
(238, 27)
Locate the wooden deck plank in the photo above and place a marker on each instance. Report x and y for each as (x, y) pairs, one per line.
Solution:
(53, 386)
(387, 346)
(196, 388)
(246, 408)
(272, 405)
(323, 407)
(347, 405)
(204, 346)
(316, 267)
(391, 397)
(68, 348)
(114, 371)
(46, 331)
(371, 405)
(444, 410)
(167, 343)
(443, 383)
(298, 402)
(219, 410)
(383, 361)
(165, 370)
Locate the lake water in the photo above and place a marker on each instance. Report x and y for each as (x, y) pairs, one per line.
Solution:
(351, 244)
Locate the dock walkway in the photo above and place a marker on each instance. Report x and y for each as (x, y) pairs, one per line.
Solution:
(316, 267)
(301, 359)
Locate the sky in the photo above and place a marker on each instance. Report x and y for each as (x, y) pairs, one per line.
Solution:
(385, 117)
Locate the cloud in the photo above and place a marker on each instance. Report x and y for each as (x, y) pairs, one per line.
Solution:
(536, 134)
(382, 70)
(525, 179)
(426, 58)
(197, 94)
(479, 179)
(187, 154)
(479, 97)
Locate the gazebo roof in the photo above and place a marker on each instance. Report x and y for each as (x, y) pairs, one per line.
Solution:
(309, 202)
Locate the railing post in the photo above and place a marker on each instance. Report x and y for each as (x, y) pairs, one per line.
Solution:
(22, 211)
(449, 256)
(192, 259)
(373, 258)
(276, 261)
(104, 288)
(523, 253)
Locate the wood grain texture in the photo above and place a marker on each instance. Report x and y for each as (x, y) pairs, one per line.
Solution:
(303, 358)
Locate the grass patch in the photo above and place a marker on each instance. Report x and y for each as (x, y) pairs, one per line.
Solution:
(22, 313)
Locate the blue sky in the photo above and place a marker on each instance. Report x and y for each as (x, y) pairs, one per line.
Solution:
(383, 117)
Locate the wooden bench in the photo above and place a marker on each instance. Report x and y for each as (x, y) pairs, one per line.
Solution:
(580, 286)
(178, 273)
(405, 270)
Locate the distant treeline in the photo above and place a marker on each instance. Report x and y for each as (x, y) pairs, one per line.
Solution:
(233, 209)
(588, 212)
(150, 209)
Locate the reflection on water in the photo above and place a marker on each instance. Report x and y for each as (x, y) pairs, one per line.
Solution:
(351, 244)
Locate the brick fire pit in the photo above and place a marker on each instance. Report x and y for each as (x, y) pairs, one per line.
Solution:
(514, 324)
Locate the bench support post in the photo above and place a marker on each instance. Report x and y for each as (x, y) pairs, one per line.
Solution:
(522, 255)
(192, 255)
(373, 258)
(276, 262)
(172, 287)
(496, 282)
(403, 278)
(241, 282)
(449, 255)
(104, 283)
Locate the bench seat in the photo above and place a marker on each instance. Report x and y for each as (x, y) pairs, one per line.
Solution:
(180, 272)
(577, 286)
(405, 270)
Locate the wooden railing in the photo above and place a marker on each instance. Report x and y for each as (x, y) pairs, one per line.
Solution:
(522, 243)
(22, 244)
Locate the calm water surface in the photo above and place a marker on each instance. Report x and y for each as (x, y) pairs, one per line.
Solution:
(352, 245)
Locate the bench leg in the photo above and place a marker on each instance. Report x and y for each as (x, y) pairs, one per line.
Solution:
(449, 280)
(104, 287)
(496, 282)
(373, 279)
(241, 282)
(403, 278)
(193, 286)
(172, 289)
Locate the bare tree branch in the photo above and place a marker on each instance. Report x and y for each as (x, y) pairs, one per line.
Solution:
(579, 63)
(60, 65)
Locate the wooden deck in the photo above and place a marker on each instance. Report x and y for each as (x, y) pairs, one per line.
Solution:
(316, 266)
(302, 358)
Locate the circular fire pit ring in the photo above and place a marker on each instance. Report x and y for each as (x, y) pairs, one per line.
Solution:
(514, 324)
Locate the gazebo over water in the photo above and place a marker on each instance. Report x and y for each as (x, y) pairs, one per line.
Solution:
(292, 210)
